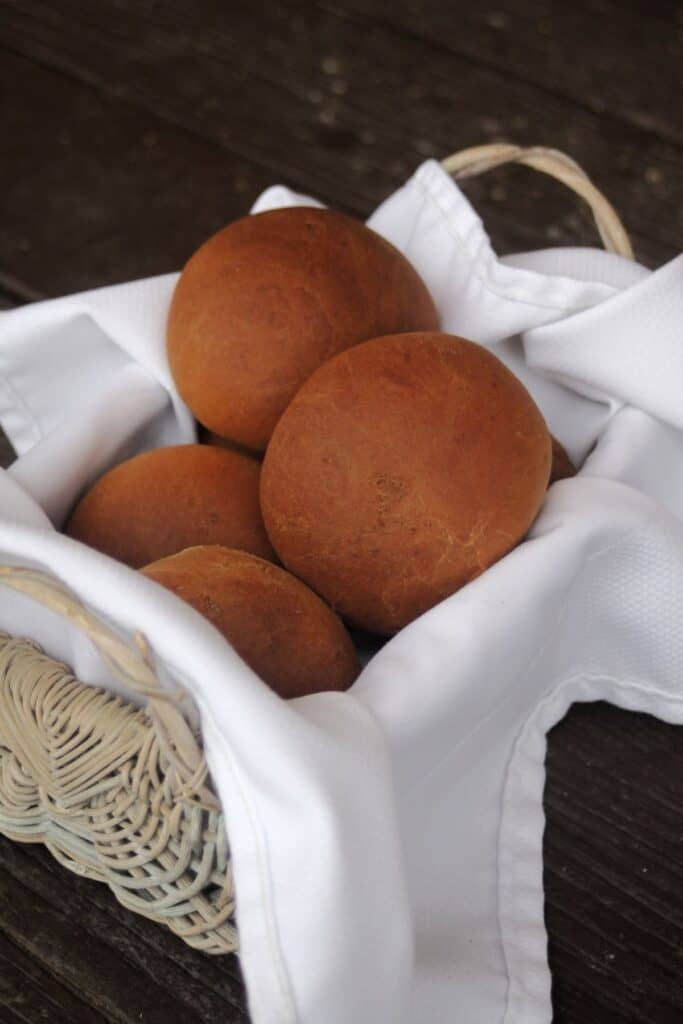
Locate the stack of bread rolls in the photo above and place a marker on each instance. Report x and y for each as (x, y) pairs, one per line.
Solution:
(381, 463)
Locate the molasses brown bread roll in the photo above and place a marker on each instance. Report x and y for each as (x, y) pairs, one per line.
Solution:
(283, 631)
(401, 470)
(272, 296)
(171, 498)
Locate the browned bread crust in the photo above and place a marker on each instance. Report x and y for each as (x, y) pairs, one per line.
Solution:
(272, 296)
(172, 498)
(402, 469)
(284, 632)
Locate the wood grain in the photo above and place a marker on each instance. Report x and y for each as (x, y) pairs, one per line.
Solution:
(560, 48)
(347, 118)
(31, 993)
(130, 130)
(614, 867)
(123, 967)
(97, 192)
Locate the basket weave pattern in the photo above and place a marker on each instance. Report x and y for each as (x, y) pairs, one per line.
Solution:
(100, 782)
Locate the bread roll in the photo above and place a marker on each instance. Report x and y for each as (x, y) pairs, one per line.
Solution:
(402, 469)
(272, 296)
(171, 498)
(283, 631)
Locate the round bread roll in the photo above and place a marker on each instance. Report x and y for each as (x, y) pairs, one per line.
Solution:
(172, 498)
(283, 631)
(401, 470)
(271, 297)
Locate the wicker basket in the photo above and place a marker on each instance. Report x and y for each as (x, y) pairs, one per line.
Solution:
(120, 792)
(116, 791)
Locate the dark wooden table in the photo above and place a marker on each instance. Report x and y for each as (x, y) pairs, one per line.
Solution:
(129, 131)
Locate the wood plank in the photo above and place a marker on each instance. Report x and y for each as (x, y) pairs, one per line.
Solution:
(561, 48)
(32, 993)
(121, 196)
(614, 867)
(340, 108)
(15, 292)
(221, 976)
(10, 1017)
(94, 954)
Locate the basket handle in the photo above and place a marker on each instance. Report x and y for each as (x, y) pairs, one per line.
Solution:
(468, 163)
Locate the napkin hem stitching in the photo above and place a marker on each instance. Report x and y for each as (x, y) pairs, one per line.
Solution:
(536, 727)
(518, 749)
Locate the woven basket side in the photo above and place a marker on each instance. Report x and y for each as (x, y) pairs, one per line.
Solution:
(86, 773)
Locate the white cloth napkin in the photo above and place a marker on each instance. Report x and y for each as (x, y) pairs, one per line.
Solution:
(387, 842)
